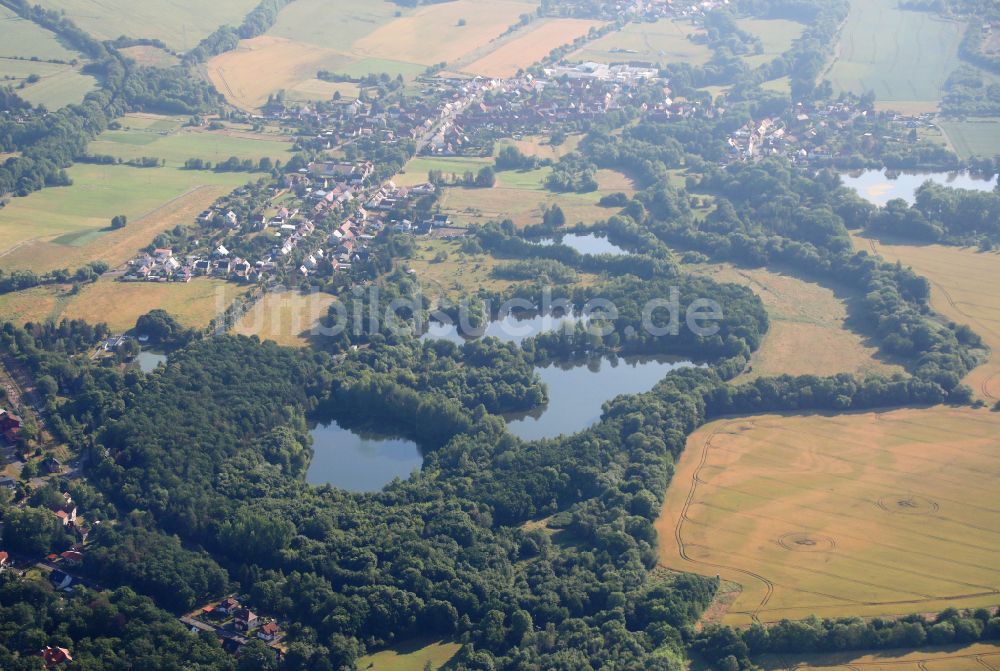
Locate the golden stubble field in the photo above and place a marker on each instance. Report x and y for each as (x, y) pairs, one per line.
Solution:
(808, 332)
(530, 46)
(963, 289)
(859, 514)
(976, 657)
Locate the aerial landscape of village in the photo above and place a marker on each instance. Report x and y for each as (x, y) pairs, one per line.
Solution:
(500, 335)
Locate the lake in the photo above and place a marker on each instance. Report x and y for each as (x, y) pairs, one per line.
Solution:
(577, 392)
(362, 462)
(587, 243)
(509, 329)
(148, 361)
(881, 186)
(359, 462)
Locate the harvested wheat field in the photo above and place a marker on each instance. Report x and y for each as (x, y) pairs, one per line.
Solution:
(436, 33)
(530, 47)
(963, 289)
(808, 332)
(976, 657)
(849, 515)
(288, 318)
(264, 65)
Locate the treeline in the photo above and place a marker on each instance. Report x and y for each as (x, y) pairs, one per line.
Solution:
(940, 214)
(226, 38)
(234, 164)
(16, 280)
(733, 650)
(969, 92)
(106, 159)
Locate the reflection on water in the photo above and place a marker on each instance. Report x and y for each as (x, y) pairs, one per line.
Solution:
(586, 243)
(509, 329)
(881, 186)
(359, 462)
(577, 392)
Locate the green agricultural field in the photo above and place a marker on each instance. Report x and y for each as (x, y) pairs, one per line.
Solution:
(65, 87)
(179, 23)
(974, 137)
(903, 56)
(333, 24)
(777, 36)
(25, 39)
(662, 42)
(64, 227)
(60, 83)
(179, 144)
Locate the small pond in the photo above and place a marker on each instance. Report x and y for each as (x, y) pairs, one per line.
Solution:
(509, 329)
(881, 186)
(148, 361)
(358, 461)
(587, 243)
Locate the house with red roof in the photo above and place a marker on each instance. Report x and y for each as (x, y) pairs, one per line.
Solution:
(53, 656)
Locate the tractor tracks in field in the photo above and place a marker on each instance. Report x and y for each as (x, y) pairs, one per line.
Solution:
(684, 517)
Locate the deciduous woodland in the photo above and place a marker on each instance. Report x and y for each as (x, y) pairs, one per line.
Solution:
(153, 510)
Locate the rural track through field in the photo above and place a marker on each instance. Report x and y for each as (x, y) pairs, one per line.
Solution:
(678, 529)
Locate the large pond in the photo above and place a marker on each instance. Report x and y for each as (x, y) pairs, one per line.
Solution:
(577, 392)
(881, 186)
(587, 243)
(359, 462)
(148, 361)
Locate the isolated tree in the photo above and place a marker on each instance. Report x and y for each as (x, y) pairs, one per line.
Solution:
(486, 177)
(119, 221)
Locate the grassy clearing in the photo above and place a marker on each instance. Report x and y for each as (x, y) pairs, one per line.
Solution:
(903, 56)
(854, 514)
(976, 657)
(530, 47)
(458, 275)
(974, 137)
(119, 304)
(179, 23)
(38, 304)
(411, 656)
(431, 33)
(808, 333)
(963, 289)
(416, 169)
(540, 147)
(68, 226)
(264, 65)
(662, 42)
(26, 39)
(153, 57)
(777, 36)
(179, 144)
(520, 196)
(286, 318)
